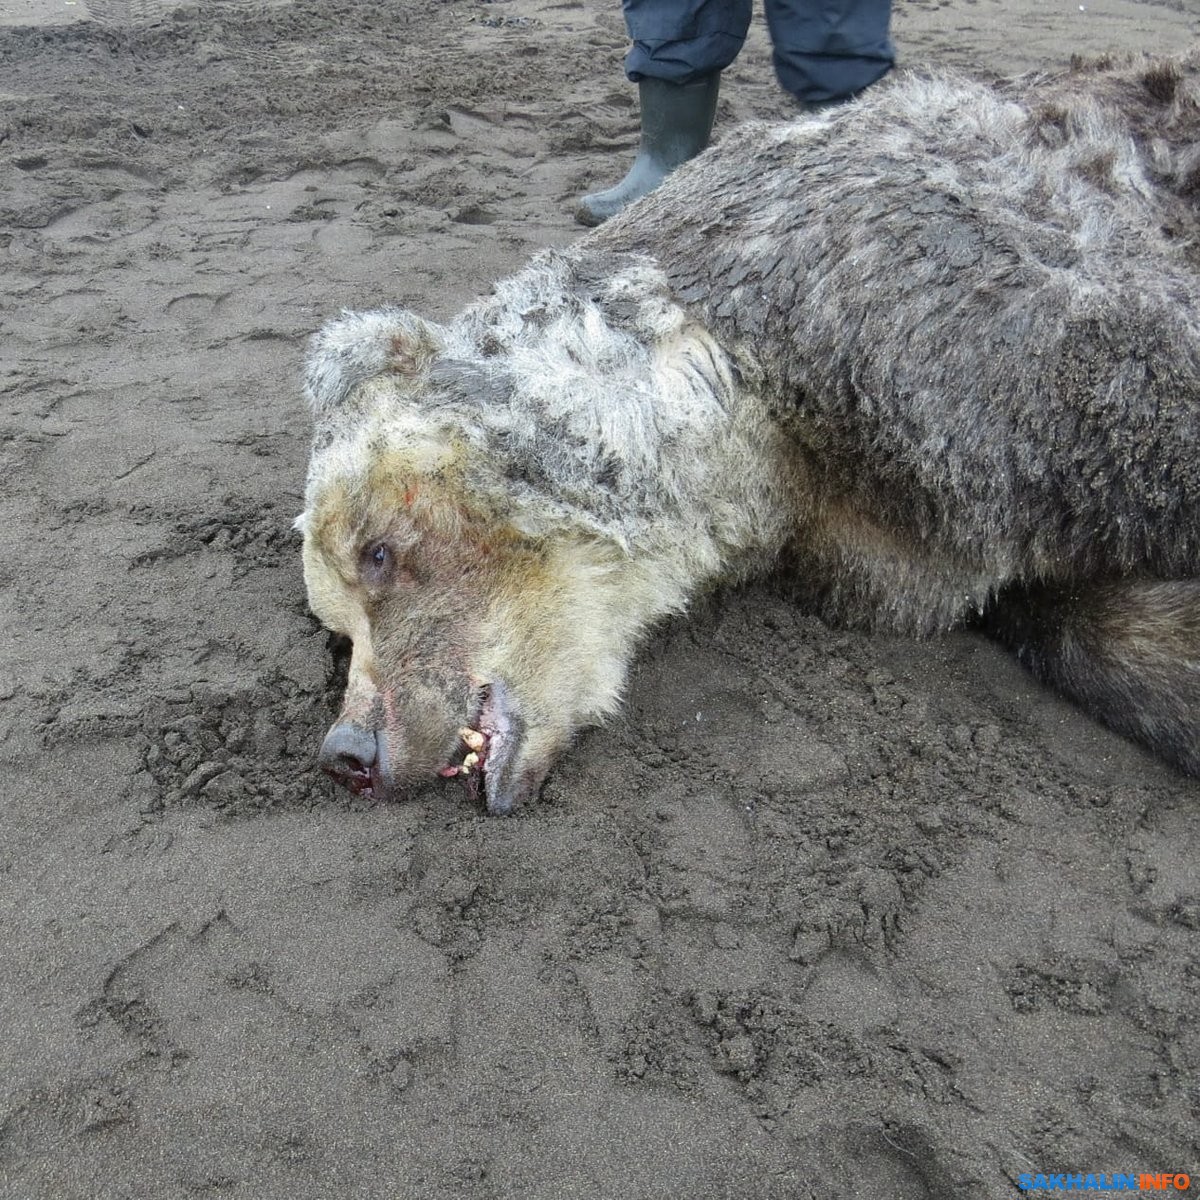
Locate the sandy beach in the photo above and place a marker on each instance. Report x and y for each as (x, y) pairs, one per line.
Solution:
(821, 915)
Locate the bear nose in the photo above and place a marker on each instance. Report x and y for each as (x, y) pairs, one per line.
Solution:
(348, 755)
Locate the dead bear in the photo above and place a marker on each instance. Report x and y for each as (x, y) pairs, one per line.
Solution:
(938, 350)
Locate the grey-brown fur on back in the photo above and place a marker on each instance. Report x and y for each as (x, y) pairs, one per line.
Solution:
(978, 308)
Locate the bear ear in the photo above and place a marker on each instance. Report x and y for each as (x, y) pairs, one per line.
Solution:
(360, 346)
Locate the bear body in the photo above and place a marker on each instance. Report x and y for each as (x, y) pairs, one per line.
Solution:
(935, 351)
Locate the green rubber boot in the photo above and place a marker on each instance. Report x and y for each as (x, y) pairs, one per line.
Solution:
(676, 121)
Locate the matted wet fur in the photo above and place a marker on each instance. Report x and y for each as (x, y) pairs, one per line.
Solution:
(937, 347)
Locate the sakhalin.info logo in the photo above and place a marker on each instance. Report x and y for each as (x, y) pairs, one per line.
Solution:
(1077, 1181)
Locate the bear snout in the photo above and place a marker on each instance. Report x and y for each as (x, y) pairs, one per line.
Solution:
(350, 756)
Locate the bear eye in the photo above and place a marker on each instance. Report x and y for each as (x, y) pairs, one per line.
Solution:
(376, 563)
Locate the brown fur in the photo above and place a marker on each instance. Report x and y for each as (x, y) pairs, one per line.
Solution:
(941, 347)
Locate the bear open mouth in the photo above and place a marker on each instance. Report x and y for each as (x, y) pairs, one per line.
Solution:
(486, 749)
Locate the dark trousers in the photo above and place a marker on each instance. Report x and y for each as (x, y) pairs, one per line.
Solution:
(824, 49)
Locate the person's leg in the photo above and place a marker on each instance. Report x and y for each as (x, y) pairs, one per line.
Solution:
(679, 49)
(679, 41)
(829, 50)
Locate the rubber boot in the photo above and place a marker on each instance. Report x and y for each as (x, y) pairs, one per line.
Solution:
(676, 121)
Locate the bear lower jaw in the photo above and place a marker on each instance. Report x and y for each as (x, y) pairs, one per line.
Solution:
(486, 757)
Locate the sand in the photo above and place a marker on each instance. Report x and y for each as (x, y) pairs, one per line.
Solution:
(821, 915)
